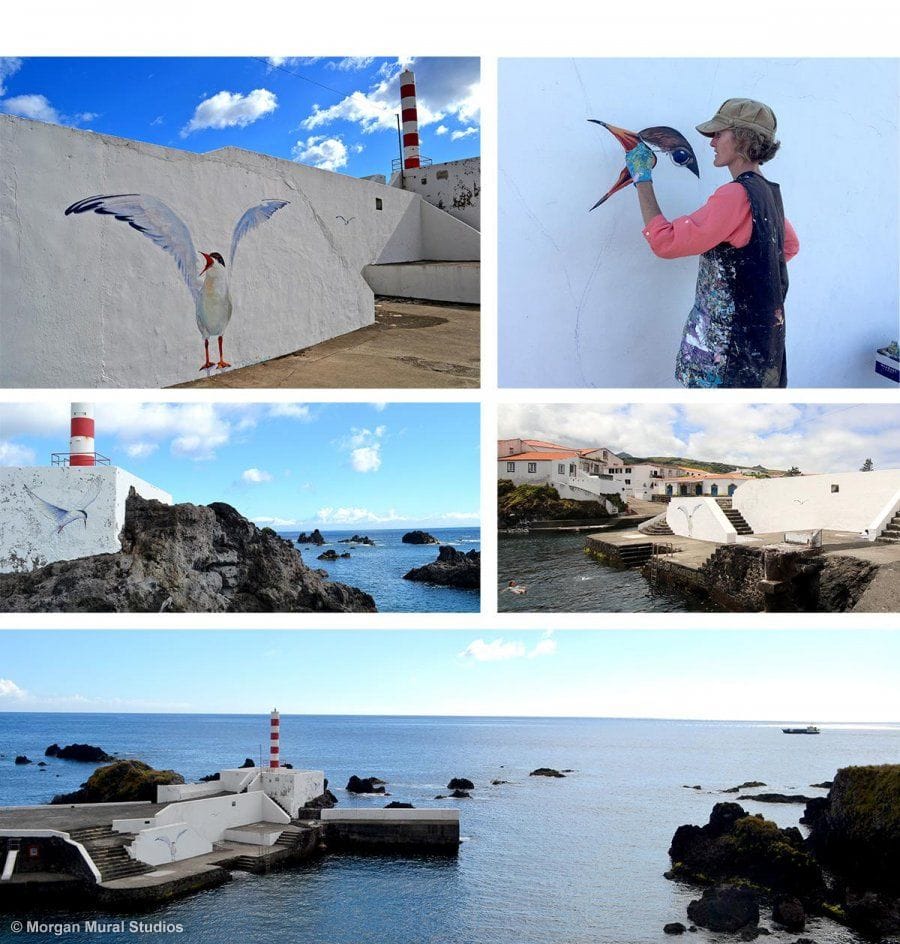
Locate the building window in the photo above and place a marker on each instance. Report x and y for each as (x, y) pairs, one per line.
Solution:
(561, 468)
(835, 488)
(628, 481)
(510, 467)
(532, 467)
(378, 204)
(627, 471)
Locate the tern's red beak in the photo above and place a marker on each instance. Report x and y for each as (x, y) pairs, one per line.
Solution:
(209, 261)
(628, 139)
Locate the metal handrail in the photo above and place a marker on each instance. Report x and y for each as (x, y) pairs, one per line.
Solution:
(62, 458)
(397, 164)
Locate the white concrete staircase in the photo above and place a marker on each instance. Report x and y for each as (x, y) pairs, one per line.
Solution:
(891, 533)
(107, 851)
(737, 520)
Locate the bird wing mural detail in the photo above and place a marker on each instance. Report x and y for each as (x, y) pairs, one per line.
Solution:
(153, 219)
(251, 219)
(62, 517)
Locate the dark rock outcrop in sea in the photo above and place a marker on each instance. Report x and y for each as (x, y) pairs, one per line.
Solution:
(124, 781)
(748, 785)
(365, 785)
(314, 538)
(674, 927)
(451, 569)
(324, 801)
(419, 537)
(776, 797)
(396, 805)
(789, 913)
(183, 558)
(460, 783)
(21, 760)
(725, 908)
(358, 539)
(545, 772)
(81, 752)
(332, 555)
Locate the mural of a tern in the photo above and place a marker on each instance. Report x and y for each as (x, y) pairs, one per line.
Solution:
(171, 844)
(62, 517)
(209, 288)
(689, 517)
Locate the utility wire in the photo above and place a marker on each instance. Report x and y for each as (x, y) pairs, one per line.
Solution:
(297, 75)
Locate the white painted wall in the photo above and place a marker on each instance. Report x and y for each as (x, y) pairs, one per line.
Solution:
(458, 282)
(170, 843)
(582, 299)
(27, 535)
(110, 308)
(700, 518)
(807, 501)
(291, 789)
(519, 475)
(454, 187)
(173, 793)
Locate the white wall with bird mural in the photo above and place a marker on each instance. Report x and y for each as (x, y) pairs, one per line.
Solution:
(51, 514)
(583, 302)
(130, 265)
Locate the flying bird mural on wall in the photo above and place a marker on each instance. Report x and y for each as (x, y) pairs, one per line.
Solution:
(659, 138)
(62, 517)
(208, 287)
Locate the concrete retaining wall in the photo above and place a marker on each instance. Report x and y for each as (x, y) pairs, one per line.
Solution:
(437, 829)
(809, 501)
(28, 532)
(458, 282)
(85, 300)
(700, 518)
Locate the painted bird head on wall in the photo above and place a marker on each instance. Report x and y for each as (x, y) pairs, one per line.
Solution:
(660, 138)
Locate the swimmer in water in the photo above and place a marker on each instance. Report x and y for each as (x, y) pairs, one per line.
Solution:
(514, 587)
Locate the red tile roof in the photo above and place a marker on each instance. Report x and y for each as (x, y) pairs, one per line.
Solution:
(538, 456)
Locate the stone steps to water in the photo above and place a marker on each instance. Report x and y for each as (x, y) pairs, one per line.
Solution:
(658, 527)
(891, 533)
(107, 851)
(738, 521)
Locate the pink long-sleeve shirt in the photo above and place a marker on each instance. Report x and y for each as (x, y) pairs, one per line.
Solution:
(725, 218)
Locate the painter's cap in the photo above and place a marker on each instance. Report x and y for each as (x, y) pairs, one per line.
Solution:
(741, 113)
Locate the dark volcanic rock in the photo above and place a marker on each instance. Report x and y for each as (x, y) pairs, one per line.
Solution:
(735, 846)
(365, 785)
(451, 569)
(460, 783)
(498, 783)
(396, 805)
(749, 785)
(824, 785)
(324, 801)
(358, 539)
(725, 908)
(183, 558)
(789, 912)
(419, 537)
(122, 782)
(776, 797)
(82, 752)
(22, 759)
(545, 772)
(248, 762)
(674, 927)
(210, 778)
(461, 795)
(331, 555)
(314, 538)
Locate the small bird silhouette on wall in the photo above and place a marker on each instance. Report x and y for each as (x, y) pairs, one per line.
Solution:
(658, 138)
(209, 288)
(62, 517)
(344, 220)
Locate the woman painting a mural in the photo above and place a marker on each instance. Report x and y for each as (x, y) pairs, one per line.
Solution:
(734, 336)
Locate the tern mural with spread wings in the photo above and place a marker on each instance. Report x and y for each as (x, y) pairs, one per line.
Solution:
(159, 223)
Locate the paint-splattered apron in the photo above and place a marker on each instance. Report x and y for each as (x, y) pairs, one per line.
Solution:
(734, 336)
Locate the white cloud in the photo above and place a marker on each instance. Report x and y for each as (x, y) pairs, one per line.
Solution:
(158, 120)
(495, 651)
(9, 689)
(140, 450)
(546, 646)
(351, 63)
(355, 516)
(15, 454)
(319, 151)
(275, 522)
(255, 476)
(282, 62)
(86, 117)
(294, 411)
(457, 516)
(444, 88)
(9, 65)
(441, 129)
(366, 458)
(231, 110)
(463, 134)
(36, 107)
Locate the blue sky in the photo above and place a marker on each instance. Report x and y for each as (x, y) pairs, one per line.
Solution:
(777, 675)
(288, 465)
(815, 437)
(334, 113)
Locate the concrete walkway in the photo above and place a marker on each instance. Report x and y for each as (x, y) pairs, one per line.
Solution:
(411, 345)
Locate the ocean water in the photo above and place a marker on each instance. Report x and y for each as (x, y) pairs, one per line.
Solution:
(379, 570)
(544, 861)
(561, 578)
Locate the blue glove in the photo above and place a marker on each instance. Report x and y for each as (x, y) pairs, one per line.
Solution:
(640, 161)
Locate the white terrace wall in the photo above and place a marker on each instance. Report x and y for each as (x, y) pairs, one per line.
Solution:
(291, 789)
(808, 501)
(582, 299)
(87, 301)
(171, 843)
(28, 536)
(700, 518)
(454, 186)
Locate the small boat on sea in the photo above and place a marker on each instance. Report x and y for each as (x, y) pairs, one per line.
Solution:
(809, 729)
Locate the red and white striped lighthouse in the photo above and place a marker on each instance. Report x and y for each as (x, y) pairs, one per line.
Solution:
(81, 435)
(410, 119)
(274, 720)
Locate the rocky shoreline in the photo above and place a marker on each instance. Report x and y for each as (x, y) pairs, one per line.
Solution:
(847, 869)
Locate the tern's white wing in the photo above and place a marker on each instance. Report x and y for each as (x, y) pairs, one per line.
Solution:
(251, 219)
(53, 512)
(150, 216)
